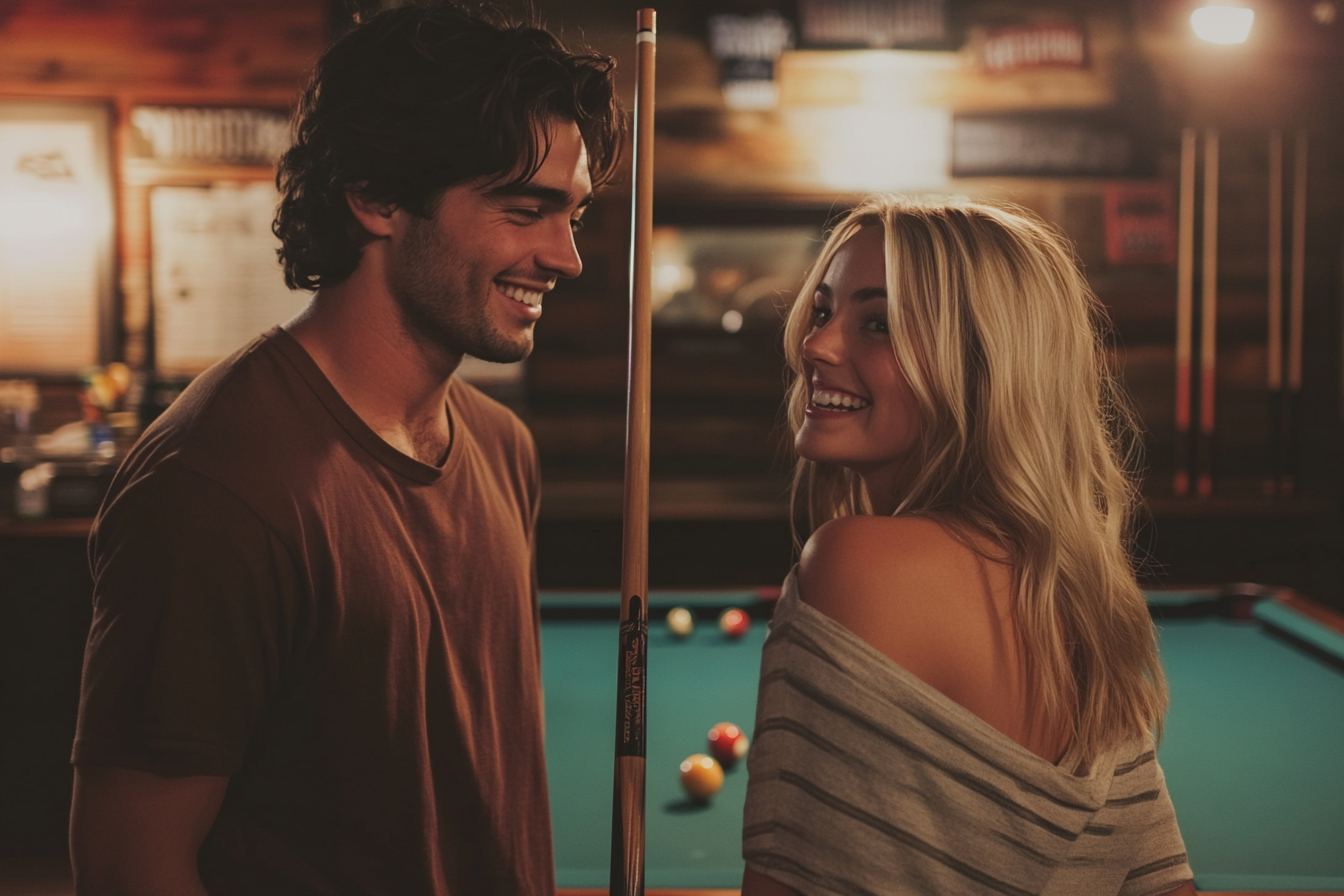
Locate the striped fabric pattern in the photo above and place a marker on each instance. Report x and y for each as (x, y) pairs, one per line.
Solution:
(865, 780)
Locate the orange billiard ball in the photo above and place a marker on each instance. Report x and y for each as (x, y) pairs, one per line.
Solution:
(701, 776)
(728, 743)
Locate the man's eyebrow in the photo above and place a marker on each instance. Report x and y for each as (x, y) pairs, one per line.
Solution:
(548, 195)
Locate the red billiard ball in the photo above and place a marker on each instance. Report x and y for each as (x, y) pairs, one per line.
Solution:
(734, 622)
(728, 743)
(701, 776)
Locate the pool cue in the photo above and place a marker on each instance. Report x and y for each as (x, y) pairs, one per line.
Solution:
(1296, 291)
(627, 813)
(1208, 320)
(1274, 335)
(1185, 290)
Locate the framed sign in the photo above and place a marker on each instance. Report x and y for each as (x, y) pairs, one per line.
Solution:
(1140, 223)
(215, 280)
(875, 24)
(1011, 48)
(57, 307)
(1043, 144)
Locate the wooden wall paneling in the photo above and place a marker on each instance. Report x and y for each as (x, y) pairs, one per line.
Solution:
(183, 51)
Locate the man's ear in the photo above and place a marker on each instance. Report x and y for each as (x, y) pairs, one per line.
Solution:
(375, 217)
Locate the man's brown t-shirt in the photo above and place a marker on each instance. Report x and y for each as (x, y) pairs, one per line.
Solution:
(351, 635)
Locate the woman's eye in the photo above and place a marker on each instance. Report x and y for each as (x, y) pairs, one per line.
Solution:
(820, 315)
(876, 324)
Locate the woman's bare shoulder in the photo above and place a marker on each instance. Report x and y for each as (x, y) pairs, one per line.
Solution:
(909, 586)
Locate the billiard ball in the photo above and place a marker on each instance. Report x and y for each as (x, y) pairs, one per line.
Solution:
(701, 776)
(680, 622)
(734, 622)
(728, 743)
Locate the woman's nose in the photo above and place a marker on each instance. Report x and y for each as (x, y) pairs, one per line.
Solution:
(823, 345)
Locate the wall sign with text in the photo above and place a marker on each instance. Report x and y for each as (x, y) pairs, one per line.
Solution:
(1140, 223)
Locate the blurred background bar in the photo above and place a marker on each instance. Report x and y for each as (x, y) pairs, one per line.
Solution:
(137, 144)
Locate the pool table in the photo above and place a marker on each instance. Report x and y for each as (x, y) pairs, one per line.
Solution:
(1253, 747)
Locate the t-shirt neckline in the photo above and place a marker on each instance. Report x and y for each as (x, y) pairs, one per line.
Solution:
(355, 426)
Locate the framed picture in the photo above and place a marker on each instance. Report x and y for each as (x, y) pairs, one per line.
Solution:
(215, 280)
(57, 305)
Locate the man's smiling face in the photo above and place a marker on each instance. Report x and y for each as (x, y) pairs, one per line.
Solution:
(471, 278)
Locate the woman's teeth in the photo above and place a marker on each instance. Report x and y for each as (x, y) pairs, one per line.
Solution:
(518, 294)
(837, 401)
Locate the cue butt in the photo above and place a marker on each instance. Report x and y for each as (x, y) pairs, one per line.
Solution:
(627, 871)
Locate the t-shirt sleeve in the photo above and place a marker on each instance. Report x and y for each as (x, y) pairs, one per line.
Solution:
(194, 608)
(1159, 864)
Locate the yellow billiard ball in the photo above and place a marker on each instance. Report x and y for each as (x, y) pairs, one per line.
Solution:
(680, 622)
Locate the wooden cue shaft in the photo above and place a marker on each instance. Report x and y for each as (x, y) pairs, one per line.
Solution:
(627, 829)
(1274, 331)
(1185, 288)
(1208, 319)
(1296, 295)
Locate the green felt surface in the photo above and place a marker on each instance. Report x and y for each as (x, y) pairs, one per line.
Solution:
(1253, 752)
(1254, 757)
(693, 684)
(732, 597)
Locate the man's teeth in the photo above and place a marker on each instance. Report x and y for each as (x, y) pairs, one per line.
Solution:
(838, 400)
(518, 294)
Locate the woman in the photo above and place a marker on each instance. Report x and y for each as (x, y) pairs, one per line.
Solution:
(961, 679)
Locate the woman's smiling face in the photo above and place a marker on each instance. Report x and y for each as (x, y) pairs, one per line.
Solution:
(861, 413)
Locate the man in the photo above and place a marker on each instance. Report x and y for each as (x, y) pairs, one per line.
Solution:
(314, 664)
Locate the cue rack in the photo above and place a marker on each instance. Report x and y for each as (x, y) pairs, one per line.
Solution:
(1195, 455)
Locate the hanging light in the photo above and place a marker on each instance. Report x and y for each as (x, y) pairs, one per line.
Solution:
(1222, 24)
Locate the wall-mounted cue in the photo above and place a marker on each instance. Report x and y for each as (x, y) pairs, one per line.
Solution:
(627, 825)
(1296, 294)
(1274, 330)
(1208, 321)
(1185, 304)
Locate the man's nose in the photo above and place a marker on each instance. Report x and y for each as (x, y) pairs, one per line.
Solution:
(558, 253)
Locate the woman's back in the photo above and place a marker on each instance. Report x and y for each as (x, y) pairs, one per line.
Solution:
(865, 779)
(936, 604)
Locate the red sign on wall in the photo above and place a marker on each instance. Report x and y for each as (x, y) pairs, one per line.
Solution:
(1140, 223)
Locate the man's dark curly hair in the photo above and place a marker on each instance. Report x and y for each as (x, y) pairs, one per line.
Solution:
(419, 99)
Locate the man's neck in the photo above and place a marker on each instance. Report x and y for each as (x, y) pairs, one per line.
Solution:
(396, 384)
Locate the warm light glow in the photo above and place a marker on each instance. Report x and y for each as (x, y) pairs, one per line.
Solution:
(1223, 24)
(864, 148)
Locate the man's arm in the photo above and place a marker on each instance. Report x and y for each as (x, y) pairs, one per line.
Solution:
(134, 833)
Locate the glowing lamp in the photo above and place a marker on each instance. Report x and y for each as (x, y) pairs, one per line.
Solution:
(1223, 24)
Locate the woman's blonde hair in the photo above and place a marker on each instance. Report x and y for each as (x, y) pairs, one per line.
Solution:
(1024, 441)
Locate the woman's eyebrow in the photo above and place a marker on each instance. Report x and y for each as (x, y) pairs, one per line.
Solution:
(869, 292)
